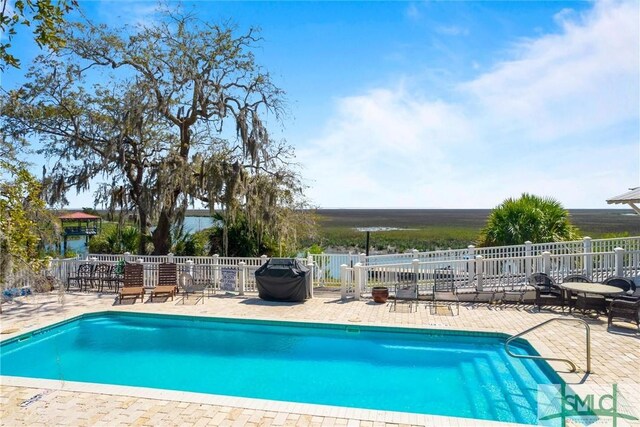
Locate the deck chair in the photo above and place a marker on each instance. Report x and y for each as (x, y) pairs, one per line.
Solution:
(133, 285)
(444, 289)
(82, 278)
(547, 292)
(511, 290)
(102, 274)
(189, 286)
(167, 281)
(406, 290)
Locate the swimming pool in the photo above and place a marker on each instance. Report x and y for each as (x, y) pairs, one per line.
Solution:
(451, 373)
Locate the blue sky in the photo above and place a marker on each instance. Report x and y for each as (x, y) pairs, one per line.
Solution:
(443, 104)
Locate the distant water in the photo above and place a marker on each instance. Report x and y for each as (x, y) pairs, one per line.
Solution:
(191, 225)
(197, 223)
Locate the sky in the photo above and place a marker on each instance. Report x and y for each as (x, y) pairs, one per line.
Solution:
(447, 104)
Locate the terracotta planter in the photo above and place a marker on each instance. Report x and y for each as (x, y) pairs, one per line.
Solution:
(380, 294)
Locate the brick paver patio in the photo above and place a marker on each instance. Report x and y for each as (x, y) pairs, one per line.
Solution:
(615, 359)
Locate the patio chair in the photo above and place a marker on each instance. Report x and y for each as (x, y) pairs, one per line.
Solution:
(624, 309)
(627, 286)
(189, 286)
(133, 285)
(510, 290)
(572, 297)
(167, 281)
(444, 289)
(628, 289)
(406, 290)
(82, 277)
(101, 275)
(547, 292)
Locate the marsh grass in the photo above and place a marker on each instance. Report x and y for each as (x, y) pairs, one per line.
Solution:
(430, 229)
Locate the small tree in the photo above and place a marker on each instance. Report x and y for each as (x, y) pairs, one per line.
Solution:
(533, 218)
(25, 224)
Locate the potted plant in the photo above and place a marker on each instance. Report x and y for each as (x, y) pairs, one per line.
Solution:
(380, 294)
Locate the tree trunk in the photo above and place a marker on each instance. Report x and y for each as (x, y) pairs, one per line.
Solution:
(161, 236)
(142, 229)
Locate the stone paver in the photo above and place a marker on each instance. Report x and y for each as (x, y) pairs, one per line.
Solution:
(615, 359)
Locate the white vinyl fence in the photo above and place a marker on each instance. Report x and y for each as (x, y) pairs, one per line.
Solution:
(328, 265)
(480, 273)
(356, 273)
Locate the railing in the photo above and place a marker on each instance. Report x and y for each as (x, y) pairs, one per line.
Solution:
(472, 267)
(328, 272)
(574, 368)
(239, 272)
(479, 273)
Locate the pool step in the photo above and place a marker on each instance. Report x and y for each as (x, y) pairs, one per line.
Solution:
(508, 402)
(521, 386)
(479, 400)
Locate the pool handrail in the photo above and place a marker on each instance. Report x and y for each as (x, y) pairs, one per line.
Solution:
(571, 364)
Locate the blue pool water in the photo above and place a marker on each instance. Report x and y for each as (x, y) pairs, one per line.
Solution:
(412, 370)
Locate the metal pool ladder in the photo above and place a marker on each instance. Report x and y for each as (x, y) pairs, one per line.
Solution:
(557, 319)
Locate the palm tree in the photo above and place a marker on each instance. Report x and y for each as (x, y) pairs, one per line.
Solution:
(533, 218)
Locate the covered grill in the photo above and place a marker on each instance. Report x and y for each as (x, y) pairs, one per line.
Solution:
(283, 279)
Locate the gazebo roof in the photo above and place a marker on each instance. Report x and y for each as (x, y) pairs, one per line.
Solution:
(632, 196)
(78, 216)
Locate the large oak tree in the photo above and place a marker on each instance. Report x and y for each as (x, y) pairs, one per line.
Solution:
(167, 114)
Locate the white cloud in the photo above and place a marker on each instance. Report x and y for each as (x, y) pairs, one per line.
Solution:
(585, 78)
(123, 12)
(560, 119)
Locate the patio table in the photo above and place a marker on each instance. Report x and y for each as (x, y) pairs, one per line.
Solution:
(591, 288)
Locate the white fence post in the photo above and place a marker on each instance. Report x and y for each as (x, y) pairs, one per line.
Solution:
(343, 281)
(588, 257)
(242, 267)
(263, 259)
(416, 269)
(528, 252)
(619, 261)
(359, 280)
(310, 267)
(216, 270)
(126, 256)
(363, 284)
(546, 262)
(415, 253)
(471, 256)
(170, 258)
(479, 272)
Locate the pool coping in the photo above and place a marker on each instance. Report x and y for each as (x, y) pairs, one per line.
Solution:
(256, 403)
(249, 403)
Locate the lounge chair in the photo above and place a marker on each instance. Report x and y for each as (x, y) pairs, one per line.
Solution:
(189, 286)
(133, 285)
(167, 281)
(444, 289)
(406, 290)
(547, 292)
(510, 290)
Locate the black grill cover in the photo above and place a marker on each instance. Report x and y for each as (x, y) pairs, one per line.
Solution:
(283, 279)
